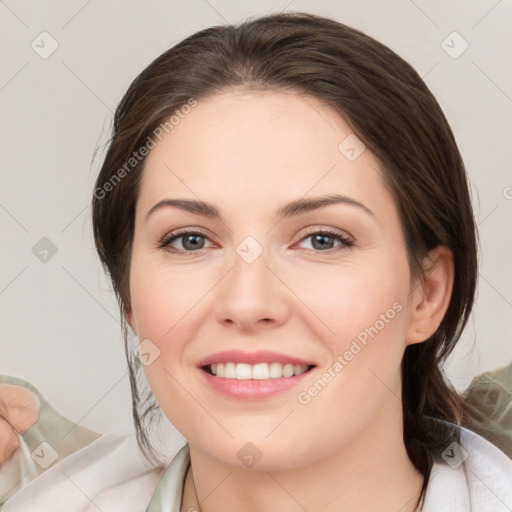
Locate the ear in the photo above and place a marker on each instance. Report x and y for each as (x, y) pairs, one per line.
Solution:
(431, 297)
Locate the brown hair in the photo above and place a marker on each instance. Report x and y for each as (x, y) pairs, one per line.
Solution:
(389, 108)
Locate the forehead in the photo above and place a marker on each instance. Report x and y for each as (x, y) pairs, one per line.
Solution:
(244, 144)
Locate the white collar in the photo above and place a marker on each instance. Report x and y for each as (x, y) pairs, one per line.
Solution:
(476, 477)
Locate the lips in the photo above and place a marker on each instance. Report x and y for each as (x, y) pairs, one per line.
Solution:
(253, 375)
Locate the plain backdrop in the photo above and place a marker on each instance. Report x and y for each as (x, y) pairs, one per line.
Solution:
(59, 319)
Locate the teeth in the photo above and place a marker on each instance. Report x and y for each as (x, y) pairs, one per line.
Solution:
(260, 371)
(288, 370)
(230, 371)
(243, 371)
(298, 369)
(276, 370)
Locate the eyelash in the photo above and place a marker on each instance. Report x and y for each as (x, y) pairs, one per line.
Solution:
(346, 242)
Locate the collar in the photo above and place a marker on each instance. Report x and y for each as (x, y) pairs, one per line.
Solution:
(476, 478)
(169, 492)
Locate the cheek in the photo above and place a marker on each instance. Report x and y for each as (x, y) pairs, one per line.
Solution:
(367, 308)
(167, 302)
(162, 305)
(161, 297)
(357, 301)
(366, 311)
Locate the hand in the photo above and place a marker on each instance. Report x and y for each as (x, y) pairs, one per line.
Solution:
(19, 410)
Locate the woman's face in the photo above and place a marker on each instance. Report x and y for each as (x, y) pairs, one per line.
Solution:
(270, 288)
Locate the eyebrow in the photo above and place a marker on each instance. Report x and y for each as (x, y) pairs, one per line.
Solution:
(297, 207)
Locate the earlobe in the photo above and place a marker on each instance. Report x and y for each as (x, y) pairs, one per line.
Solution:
(431, 297)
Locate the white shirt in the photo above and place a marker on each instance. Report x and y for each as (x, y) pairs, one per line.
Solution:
(110, 475)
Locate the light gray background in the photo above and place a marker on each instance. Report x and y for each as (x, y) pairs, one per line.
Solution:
(59, 319)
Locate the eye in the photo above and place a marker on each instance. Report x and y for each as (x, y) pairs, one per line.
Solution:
(323, 240)
(191, 241)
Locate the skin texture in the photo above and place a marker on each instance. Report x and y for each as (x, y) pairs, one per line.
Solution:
(19, 409)
(249, 153)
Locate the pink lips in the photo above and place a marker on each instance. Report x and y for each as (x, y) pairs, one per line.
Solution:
(245, 390)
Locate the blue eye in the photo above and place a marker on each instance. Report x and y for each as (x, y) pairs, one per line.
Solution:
(321, 240)
(191, 241)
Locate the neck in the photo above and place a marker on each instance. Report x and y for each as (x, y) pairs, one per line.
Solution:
(371, 472)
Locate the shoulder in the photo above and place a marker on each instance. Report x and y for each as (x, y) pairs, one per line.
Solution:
(108, 470)
(133, 495)
(157, 490)
(488, 471)
(472, 475)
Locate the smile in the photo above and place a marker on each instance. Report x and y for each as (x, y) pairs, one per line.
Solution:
(260, 371)
(256, 375)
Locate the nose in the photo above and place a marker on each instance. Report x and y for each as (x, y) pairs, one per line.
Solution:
(251, 296)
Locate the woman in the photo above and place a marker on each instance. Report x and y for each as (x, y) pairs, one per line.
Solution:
(285, 217)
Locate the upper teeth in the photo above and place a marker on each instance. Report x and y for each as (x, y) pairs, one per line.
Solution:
(244, 371)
